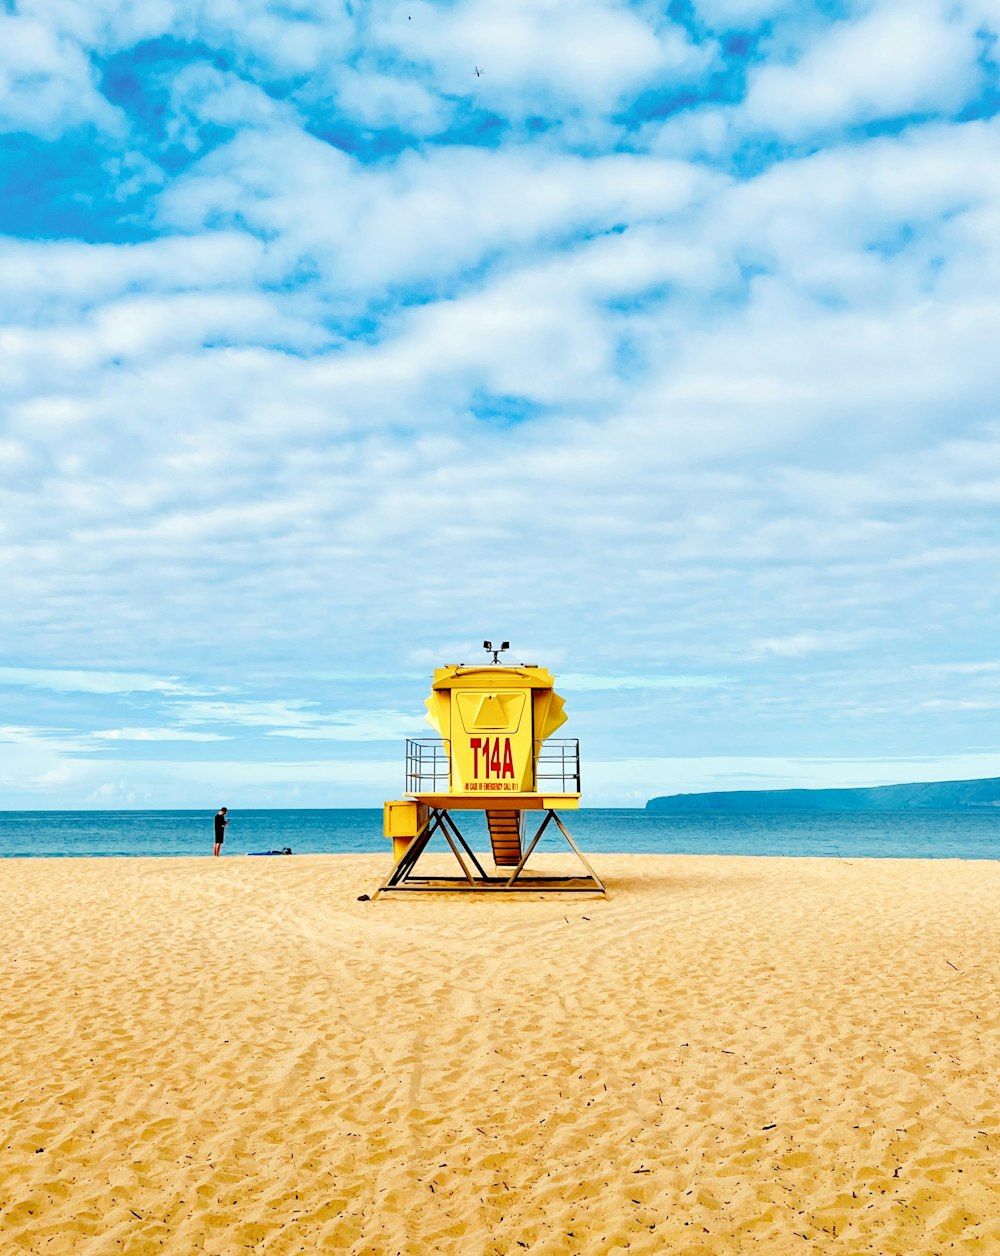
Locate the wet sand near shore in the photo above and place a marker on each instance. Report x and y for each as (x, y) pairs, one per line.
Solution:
(730, 1055)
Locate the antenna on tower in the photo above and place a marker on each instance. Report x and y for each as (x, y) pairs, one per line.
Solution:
(488, 646)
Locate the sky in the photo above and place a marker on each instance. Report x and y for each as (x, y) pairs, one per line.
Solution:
(657, 339)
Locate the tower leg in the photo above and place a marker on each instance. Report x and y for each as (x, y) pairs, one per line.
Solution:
(534, 842)
(409, 857)
(579, 853)
(447, 820)
(401, 877)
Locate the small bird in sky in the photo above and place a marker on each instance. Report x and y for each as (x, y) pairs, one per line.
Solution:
(476, 68)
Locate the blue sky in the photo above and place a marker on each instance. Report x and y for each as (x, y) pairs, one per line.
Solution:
(660, 340)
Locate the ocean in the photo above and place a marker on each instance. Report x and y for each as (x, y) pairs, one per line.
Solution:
(966, 834)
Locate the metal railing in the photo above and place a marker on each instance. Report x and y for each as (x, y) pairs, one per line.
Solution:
(427, 765)
(558, 768)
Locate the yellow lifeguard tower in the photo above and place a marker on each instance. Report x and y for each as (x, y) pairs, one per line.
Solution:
(494, 753)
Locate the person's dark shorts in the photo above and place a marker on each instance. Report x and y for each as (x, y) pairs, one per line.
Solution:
(219, 839)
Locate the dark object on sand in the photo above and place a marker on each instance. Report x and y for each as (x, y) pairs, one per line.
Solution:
(287, 850)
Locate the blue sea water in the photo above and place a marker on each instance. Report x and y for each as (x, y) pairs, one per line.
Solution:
(967, 834)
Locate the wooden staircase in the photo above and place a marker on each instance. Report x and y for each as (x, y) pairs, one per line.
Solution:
(505, 837)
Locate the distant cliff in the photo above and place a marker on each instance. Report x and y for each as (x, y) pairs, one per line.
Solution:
(939, 795)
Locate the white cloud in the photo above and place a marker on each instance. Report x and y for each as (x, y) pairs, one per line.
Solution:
(34, 740)
(801, 644)
(538, 56)
(296, 39)
(897, 59)
(40, 281)
(153, 734)
(382, 100)
(302, 719)
(34, 781)
(201, 94)
(277, 713)
(961, 704)
(889, 62)
(362, 725)
(650, 777)
(742, 14)
(425, 215)
(987, 667)
(70, 680)
(112, 795)
(47, 84)
(581, 682)
(136, 328)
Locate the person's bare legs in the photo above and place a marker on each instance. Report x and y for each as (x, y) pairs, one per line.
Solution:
(218, 847)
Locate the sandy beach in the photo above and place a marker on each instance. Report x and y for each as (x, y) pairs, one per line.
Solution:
(730, 1055)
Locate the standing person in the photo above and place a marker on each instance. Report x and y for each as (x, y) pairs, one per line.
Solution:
(220, 829)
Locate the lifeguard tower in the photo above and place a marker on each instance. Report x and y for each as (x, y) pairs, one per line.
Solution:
(494, 753)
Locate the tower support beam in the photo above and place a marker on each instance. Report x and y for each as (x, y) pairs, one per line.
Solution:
(404, 877)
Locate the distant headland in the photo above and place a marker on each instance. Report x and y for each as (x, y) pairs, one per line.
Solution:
(929, 795)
